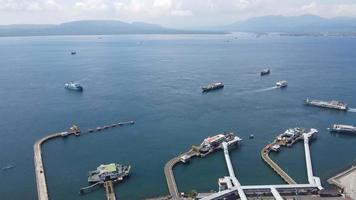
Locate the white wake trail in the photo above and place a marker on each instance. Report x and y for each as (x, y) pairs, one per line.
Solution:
(351, 110)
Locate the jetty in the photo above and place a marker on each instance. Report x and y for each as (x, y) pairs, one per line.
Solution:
(168, 172)
(42, 191)
(232, 189)
(265, 156)
(110, 192)
(208, 146)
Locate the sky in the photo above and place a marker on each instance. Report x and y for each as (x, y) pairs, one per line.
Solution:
(169, 13)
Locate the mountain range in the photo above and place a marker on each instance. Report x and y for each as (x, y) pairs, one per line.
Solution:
(270, 23)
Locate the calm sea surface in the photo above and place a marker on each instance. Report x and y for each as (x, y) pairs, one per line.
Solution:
(155, 80)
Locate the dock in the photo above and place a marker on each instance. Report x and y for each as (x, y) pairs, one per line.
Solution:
(168, 172)
(265, 156)
(276, 191)
(110, 192)
(39, 169)
(41, 183)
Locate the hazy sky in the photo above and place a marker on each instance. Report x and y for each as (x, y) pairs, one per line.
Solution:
(173, 13)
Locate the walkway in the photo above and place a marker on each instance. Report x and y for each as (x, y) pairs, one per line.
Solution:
(110, 192)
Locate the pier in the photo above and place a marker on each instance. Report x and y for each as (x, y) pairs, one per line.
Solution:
(168, 172)
(42, 191)
(110, 192)
(276, 191)
(265, 156)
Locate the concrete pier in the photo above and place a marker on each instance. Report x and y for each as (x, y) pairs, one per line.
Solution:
(42, 191)
(232, 173)
(110, 192)
(39, 169)
(168, 172)
(265, 156)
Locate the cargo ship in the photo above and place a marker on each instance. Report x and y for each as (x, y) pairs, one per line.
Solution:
(73, 86)
(338, 105)
(265, 72)
(343, 128)
(109, 172)
(281, 84)
(213, 86)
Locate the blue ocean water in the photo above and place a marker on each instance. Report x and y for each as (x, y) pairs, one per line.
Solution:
(155, 80)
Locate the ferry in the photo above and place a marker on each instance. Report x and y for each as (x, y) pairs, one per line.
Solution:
(338, 105)
(265, 72)
(343, 128)
(109, 172)
(213, 86)
(73, 86)
(281, 84)
(213, 143)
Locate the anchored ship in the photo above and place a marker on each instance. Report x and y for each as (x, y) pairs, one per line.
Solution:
(213, 86)
(265, 72)
(109, 172)
(281, 84)
(338, 105)
(343, 128)
(73, 86)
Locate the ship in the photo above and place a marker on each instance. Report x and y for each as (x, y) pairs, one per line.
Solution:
(73, 86)
(265, 72)
(281, 84)
(333, 104)
(213, 86)
(213, 143)
(110, 172)
(73, 53)
(343, 128)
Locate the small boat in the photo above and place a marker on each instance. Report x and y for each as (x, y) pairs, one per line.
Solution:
(7, 167)
(73, 53)
(213, 86)
(73, 86)
(252, 136)
(265, 72)
(281, 84)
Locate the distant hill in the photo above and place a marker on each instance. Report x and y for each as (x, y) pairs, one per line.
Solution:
(299, 24)
(92, 27)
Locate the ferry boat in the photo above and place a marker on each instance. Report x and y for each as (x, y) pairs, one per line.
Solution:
(213, 143)
(265, 72)
(73, 86)
(343, 128)
(213, 86)
(281, 84)
(109, 172)
(338, 105)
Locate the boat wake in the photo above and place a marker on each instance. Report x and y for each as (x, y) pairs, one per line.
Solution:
(351, 110)
(264, 90)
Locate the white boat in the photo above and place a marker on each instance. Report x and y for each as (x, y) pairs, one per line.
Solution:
(73, 86)
(281, 84)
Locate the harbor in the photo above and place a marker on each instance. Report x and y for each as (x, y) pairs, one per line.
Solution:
(42, 189)
(209, 145)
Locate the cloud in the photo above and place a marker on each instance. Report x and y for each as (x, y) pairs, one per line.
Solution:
(28, 5)
(181, 12)
(166, 12)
